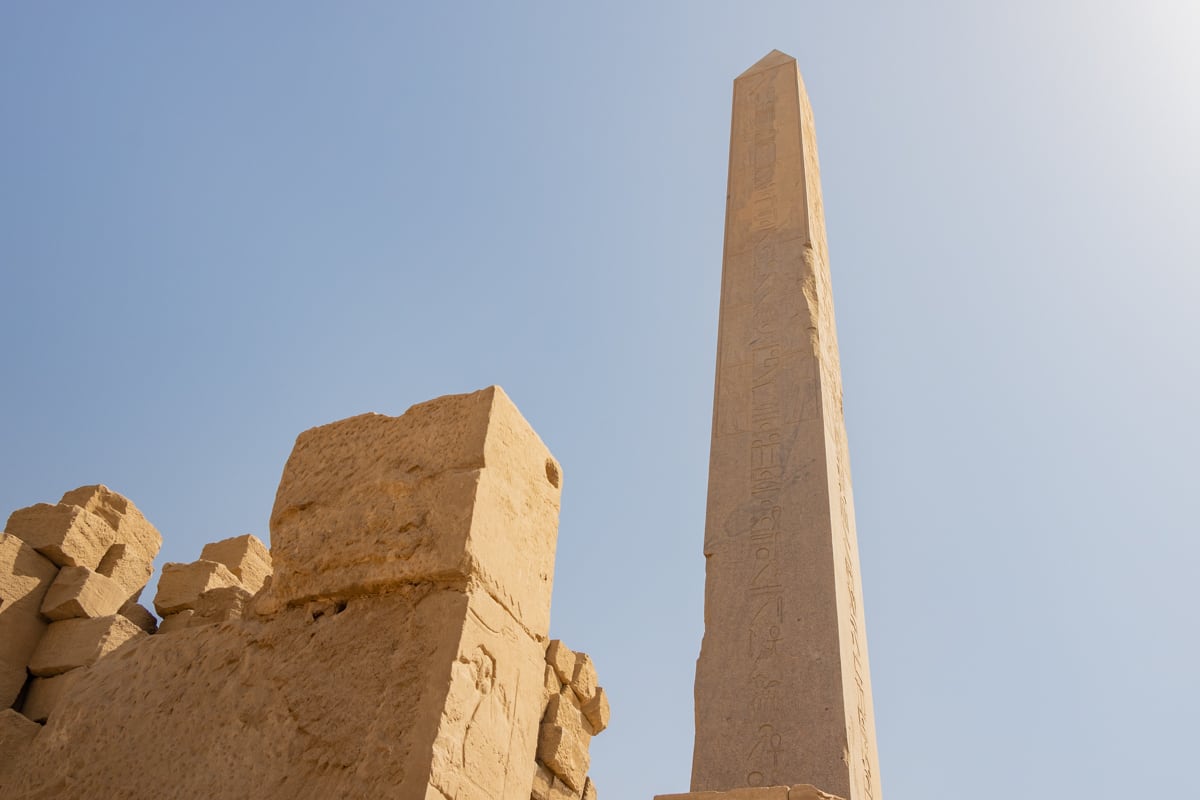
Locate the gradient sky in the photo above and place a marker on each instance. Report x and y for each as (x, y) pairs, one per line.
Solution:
(222, 224)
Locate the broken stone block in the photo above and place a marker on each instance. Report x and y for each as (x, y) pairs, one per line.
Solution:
(246, 556)
(457, 486)
(181, 585)
(68, 535)
(550, 686)
(564, 711)
(565, 753)
(561, 791)
(589, 790)
(597, 711)
(176, 622)
(44, 693)
(25, 577)
(749, 793)
(805, 791)
(128, 566)
(80, 592)
(562, 658)
(543, 780)
(221, 605)
(139, 615)
(583, 680)
(122, 515)
(72, 643)
(16, 730)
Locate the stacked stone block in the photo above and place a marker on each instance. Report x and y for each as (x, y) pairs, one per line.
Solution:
(216, 588)
(70, 577)
(576, 709)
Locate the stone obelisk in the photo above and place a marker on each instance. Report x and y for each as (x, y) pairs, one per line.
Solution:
(783, 695)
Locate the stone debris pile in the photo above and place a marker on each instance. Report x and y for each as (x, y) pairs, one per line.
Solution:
(576, 710)
(216, 588)
(71, 574)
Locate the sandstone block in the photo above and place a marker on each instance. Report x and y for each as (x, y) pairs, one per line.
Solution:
(25, 577)
(583, 680)
(561, 791)
(181, 585)
(565, 753)
(564, 711)
(246, 556)
(597, 711)
(122, 515)
(550, 685)
(44, 694)
(749, 793)
(221, 605)
(68, 535)
(543, 780)
(16, 731)
(80, 592)
(562, 658)
(176, 622)
(139, 615)
(589, 790)
(805, 791)
(72, 643)
(127, 566)
(457, 486)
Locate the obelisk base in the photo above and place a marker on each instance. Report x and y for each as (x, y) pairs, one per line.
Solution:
(801, 791)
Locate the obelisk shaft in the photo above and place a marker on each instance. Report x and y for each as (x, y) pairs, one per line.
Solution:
(783, 694)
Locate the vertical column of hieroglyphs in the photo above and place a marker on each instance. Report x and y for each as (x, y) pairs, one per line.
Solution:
(784, 653)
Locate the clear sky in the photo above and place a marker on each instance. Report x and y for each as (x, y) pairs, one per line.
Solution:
(221, 224)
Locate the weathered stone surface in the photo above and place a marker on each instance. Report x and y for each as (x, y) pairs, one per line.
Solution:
(543, 780)
(80, 592)
(16, 731)
(457, 486)
(131, 527)
(176, 622)
(752, 793)
(583, 679)
(139, 615)
(221, 605)
(597, 711)
(564, 711)
(246, 556)
(73, 643)
(783, 692)
(565, 753)
(44, 694)
(562, 658)
(68, 535)
(807, 791)
(128, 567)
(180, 585)
(559, 790)
(550, 685)
(589, 790)
(25, 577)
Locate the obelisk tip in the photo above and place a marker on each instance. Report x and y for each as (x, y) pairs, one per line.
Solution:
(773, 59)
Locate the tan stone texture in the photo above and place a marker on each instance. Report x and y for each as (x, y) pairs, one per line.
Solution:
(589, 790)
(131, 527)
(25, 577)
(246, 556)
(457, 486)
(73, 643)
(583, 680)
(128, 567)
(221, 605)
(543, 780)
(562, 658)
(16, 732)
(597, 711)
(44, 694)
(80, 592)
(782, 687)
(180, 585)
(68, 535)
(796, 792)
(565, 753)
(139, 615)
(176, 622)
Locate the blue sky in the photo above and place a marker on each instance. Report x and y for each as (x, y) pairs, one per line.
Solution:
(220, 226)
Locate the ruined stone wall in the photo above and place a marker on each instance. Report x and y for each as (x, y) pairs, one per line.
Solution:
(392, 643)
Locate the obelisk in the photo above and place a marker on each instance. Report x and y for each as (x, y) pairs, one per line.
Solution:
(783, 694)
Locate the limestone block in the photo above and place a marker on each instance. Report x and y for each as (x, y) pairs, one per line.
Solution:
(550, 685)
(221, 605)
(72, 643)
(805, 791)
(589, 790)
(564, 711)
(543, 780)
(131, 527)
(597, 711)
(176, 622)
(565, 753)
(44, 693)
(583, 679)
(139, 615)
(127, 566)
(749, 793)
(181, 585)
(562, 658)
(68, 535)
(25, 576)
(80, 592)
(16, 731)
(561, 791)
(246, 556)
(456, 486)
